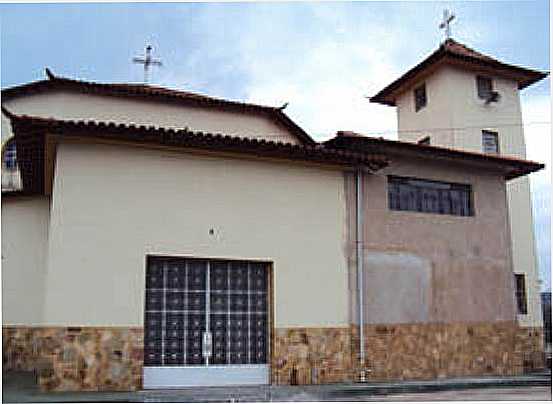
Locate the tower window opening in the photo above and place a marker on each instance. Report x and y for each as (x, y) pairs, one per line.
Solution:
(520, 284)
(420, 97)
(490, 142)
(484, 86)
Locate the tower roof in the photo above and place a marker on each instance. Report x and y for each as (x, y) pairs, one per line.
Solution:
(452, 52)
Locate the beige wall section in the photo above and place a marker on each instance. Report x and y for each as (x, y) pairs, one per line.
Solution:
(125, 203)
(453, 103)
(430, 120)
(443, 268)
(524, 256)
(455, 117)
(76, 106)
(24, 247)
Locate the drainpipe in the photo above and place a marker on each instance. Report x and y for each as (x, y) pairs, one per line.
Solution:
(359, 251)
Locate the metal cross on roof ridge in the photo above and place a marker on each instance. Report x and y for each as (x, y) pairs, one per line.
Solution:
(448, 17)
(147, 61)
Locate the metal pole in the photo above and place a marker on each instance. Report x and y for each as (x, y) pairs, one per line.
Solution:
(359, 251)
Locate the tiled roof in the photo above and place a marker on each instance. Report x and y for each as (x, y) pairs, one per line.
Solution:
(460, 49)
(453, 52)
(162, 94)
(511, 166)
(29, 134)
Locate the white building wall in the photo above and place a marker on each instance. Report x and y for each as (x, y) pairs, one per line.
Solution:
(453, 103)
(24, 248)
(125, 203)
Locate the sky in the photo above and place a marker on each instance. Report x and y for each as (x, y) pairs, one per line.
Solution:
(324, 59)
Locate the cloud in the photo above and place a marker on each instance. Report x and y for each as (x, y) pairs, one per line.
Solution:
(325, 75)
(328, 90)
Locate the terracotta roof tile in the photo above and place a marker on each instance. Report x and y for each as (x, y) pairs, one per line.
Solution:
(453, 52)
(514, 167)
(156, 93)
(455, 47)
(29, 134)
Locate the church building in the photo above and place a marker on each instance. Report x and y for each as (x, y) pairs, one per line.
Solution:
(157, 238)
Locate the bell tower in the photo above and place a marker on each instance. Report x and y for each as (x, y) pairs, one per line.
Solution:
(460, 98)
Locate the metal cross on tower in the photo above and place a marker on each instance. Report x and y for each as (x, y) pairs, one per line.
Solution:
(147, 61)
(445, 24)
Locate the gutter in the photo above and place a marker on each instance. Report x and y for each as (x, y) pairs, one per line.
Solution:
(359, 260)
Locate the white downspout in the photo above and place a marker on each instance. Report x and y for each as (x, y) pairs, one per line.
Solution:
(359, 252)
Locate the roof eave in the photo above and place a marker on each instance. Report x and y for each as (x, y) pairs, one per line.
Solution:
(388, 95)
(511, 168)
(30, 134)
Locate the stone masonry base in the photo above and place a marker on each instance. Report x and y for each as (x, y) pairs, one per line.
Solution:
(431, 351)
(76, 358)
(111, 358)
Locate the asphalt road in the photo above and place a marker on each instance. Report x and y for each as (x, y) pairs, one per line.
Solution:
(495, 394)
(21, 387)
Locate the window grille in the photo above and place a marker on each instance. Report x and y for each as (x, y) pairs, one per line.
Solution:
(419, 195)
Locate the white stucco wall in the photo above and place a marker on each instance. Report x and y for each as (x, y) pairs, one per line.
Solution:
(75, 106)
(453, 103)
(113, 205)
(24, 246)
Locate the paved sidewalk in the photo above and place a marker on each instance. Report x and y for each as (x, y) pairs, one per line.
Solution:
(21, 387)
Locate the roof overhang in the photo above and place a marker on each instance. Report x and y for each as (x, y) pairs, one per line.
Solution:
(470, 60)
(508, 167)
(34, 147)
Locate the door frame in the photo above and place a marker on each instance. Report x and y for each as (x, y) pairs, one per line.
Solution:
(270, 306)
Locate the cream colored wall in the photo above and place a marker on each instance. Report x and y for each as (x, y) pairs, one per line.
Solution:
(75, 106)
(453, 103)
(524, 250)
(125, 203)
(430, 120)
(24, 246)
(455, 116)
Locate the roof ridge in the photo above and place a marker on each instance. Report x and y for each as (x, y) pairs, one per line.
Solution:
(452, 51)
(149, 87)
(163, 94)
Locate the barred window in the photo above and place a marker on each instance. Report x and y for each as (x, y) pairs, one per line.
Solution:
(520, 291)
(419, 195)
(490, 142)
(420, 97)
